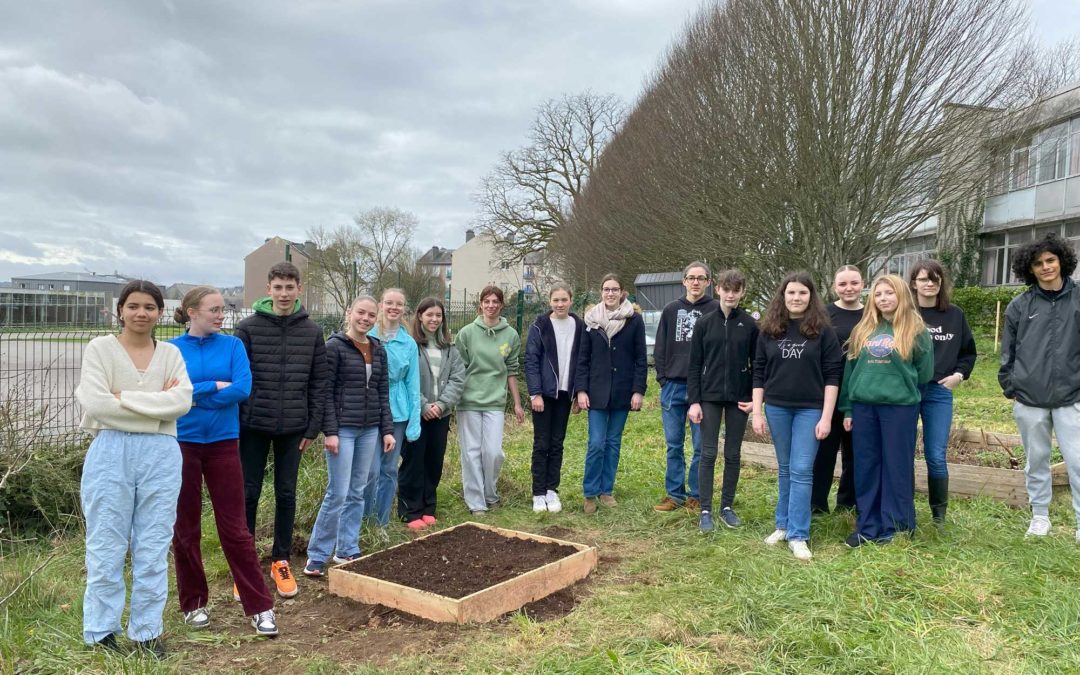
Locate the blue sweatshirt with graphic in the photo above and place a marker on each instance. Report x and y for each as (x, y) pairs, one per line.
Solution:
(215, 413)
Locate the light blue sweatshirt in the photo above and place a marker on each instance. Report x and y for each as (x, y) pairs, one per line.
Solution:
(403, 360)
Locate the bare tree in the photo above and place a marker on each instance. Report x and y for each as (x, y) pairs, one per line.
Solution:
(527, 196)
(784, 134)
(338, 263)
(416, 280)
(387, 236)
(352, 259)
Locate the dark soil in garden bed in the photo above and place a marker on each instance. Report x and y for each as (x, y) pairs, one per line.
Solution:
(460, 561)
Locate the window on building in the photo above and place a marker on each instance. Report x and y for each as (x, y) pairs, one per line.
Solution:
(1074, 148)
(1020, 176)
(998, 251)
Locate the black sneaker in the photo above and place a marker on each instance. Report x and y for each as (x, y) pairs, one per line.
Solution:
(154, 647)
(855, 540)
(729, 518)
(109, 642)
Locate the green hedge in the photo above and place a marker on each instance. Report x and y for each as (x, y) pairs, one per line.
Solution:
(980, 304)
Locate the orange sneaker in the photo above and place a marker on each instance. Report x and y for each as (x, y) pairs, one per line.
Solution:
(235, 593)
(283, 578)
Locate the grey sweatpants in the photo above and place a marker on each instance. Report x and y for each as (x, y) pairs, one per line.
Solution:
(1035, 425)
(480, 435)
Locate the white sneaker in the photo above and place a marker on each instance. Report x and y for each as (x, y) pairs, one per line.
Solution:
(1039, 527)
(776, 537)
(553, 503)
(539, 504)
(265, 623)
(197, 618)
(800, 550)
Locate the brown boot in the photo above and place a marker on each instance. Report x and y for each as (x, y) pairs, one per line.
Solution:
(608, 501)
(692, 504)
(590, 505)
(667, 505)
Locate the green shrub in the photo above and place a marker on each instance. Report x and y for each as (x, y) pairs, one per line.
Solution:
(43, 495)
(980, 304)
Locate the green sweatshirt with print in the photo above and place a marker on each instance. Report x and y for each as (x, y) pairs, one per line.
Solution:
(878, 376)
(490, 354)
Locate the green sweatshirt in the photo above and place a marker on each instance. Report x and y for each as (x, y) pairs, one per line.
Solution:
(490, 355)
(880, 377)
(266, 305)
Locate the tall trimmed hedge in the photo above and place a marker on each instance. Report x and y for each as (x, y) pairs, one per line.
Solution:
(980, 304)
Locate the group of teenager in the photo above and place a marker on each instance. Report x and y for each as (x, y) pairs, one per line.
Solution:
(852, 377)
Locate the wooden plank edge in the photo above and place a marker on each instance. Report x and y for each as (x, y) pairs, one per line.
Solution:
(375, 591)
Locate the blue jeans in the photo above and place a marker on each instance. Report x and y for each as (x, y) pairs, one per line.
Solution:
(337, 527)
(673, 408)
(936, 410)
(130, 485)
(602, 458)
(382, 489)
(796, 445)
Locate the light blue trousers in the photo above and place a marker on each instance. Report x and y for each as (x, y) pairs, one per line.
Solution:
(337, 527)
(130, 484)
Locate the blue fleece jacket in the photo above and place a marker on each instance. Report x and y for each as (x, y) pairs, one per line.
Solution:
(215, 413)
(403, 360)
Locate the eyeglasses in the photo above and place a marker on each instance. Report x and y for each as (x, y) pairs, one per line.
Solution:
(214, 310)
(699, 278)
(925, 281)
(611, 290)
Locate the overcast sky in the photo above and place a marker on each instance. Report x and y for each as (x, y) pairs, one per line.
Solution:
(169, 138)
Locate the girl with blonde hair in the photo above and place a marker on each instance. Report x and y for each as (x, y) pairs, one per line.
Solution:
(889, 355)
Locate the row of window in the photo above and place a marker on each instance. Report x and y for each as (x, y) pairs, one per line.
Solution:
(1054, 153)
(997, 251)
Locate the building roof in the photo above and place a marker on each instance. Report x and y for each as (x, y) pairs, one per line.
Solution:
(75, 276)
(653, 278)
(436, 256)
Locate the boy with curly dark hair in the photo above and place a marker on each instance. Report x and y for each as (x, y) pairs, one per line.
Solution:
(1040, 369)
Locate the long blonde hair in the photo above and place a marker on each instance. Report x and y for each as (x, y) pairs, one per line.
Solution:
(907, 323)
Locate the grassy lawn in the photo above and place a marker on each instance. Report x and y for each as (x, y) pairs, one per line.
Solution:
(978, 401)
(973, 598)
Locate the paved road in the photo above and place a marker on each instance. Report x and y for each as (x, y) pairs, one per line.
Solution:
(38, 378)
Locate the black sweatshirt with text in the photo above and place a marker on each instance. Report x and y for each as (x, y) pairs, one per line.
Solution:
(954, 345)
(794, 369)
(671, 352)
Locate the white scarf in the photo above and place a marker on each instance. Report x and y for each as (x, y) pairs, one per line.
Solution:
(611, 322)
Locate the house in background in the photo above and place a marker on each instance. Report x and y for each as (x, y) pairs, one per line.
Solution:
(275, 250)
(72, 282)
(438, 263)
(476, 264)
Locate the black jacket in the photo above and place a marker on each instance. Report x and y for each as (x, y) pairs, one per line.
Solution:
(1040, 351)
(353, 400)
(542, 357)
(721, 358)
(288, 373)
(671, 352)
(611, 373)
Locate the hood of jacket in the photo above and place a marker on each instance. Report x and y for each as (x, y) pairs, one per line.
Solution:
(491, 331)
(266, 306)
(703, 300)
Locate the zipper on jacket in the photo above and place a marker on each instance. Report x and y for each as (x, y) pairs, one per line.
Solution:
(281, 377)
(727, 352)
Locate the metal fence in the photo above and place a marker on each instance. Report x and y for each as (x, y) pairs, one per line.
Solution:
(40, 365)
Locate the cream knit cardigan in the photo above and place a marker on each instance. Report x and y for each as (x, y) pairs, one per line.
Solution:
(142, 407)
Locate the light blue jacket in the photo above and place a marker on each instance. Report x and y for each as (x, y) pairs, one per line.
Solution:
(215, 413)
(403, 360)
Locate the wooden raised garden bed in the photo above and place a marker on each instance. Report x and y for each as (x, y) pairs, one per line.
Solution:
(490, 570)
(965, 480)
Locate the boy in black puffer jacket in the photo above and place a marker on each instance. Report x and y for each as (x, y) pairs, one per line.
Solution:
(285, 410)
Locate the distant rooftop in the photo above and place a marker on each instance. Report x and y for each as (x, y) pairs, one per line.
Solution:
(437, 256)
(649, 278)
(75, 276)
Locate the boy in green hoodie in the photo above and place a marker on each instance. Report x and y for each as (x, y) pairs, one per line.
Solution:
(288, 375)
(490, 349)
